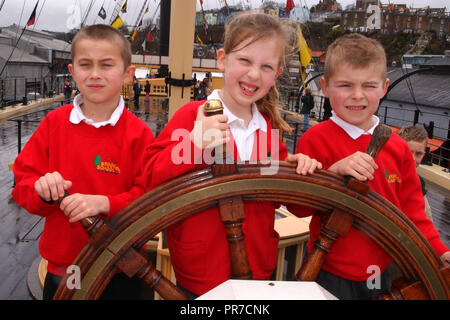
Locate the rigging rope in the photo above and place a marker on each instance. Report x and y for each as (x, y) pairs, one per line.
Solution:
(17, 42)
(411, 89)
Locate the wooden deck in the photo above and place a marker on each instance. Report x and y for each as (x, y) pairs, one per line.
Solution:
(20, 231)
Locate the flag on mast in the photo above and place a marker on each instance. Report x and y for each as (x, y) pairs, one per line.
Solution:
(134, 35)
(32, 18)
(124, 7)
(117, 23)
(102, 13)
(200, 42)
(289, 6)
(305, 55)
(150, 36)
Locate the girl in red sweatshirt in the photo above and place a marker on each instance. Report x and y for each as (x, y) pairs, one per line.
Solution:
(252, 59)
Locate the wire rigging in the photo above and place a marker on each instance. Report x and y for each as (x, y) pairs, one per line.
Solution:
(20, 19)
(91, 3)
(17, 42)
(410, 88)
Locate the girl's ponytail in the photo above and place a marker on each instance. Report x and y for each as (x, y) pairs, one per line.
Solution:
(269, 105)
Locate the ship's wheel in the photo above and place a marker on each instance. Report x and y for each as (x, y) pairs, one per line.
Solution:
(344, 202)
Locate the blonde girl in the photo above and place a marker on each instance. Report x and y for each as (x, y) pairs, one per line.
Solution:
(251, 60)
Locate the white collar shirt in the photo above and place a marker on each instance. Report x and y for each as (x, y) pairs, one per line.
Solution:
(353, 131)
(243, 137)
(77, 115)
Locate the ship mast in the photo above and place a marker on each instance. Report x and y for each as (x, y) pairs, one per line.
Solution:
(116, 10)
(140, 15)
(181, 47)
(87, 14)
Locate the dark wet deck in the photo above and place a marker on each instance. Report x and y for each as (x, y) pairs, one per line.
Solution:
(20, 231)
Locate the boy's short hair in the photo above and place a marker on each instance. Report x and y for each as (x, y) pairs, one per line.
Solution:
(104, 32)
(356, 50)
(413, 133)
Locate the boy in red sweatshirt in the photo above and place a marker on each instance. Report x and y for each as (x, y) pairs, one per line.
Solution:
(92, 148)
(355, 81)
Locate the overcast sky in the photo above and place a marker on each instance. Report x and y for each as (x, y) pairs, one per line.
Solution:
(57, 15)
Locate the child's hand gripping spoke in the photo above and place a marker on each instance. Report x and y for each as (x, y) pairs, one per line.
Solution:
(305, 164)
(78, 206)
(210, 131)
(445, 258)
(359, 165)
(51, 186)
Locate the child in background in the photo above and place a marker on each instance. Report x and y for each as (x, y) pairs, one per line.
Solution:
(92, 148)
(251, 60)
(355, 81)
(147, 90)
(417, 141)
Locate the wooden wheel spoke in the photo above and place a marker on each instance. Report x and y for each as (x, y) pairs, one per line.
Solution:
(134, 263)
(337, 224)
(405, 290)
(232, 214)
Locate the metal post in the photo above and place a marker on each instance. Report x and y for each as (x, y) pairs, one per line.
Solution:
(448, 130)
(19, 136)
(2, 91)
(430, 129)
(320, 115)
(295, 138)
(416, 116)
(164, 25)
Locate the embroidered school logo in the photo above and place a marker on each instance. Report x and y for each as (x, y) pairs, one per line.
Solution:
(392, 177)
(105, 166)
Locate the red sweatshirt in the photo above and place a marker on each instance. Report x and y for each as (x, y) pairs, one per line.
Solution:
(396, 180)
(198, 245)
(104, 161)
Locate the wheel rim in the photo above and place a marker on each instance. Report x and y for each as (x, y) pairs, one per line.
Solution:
(167, 204)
